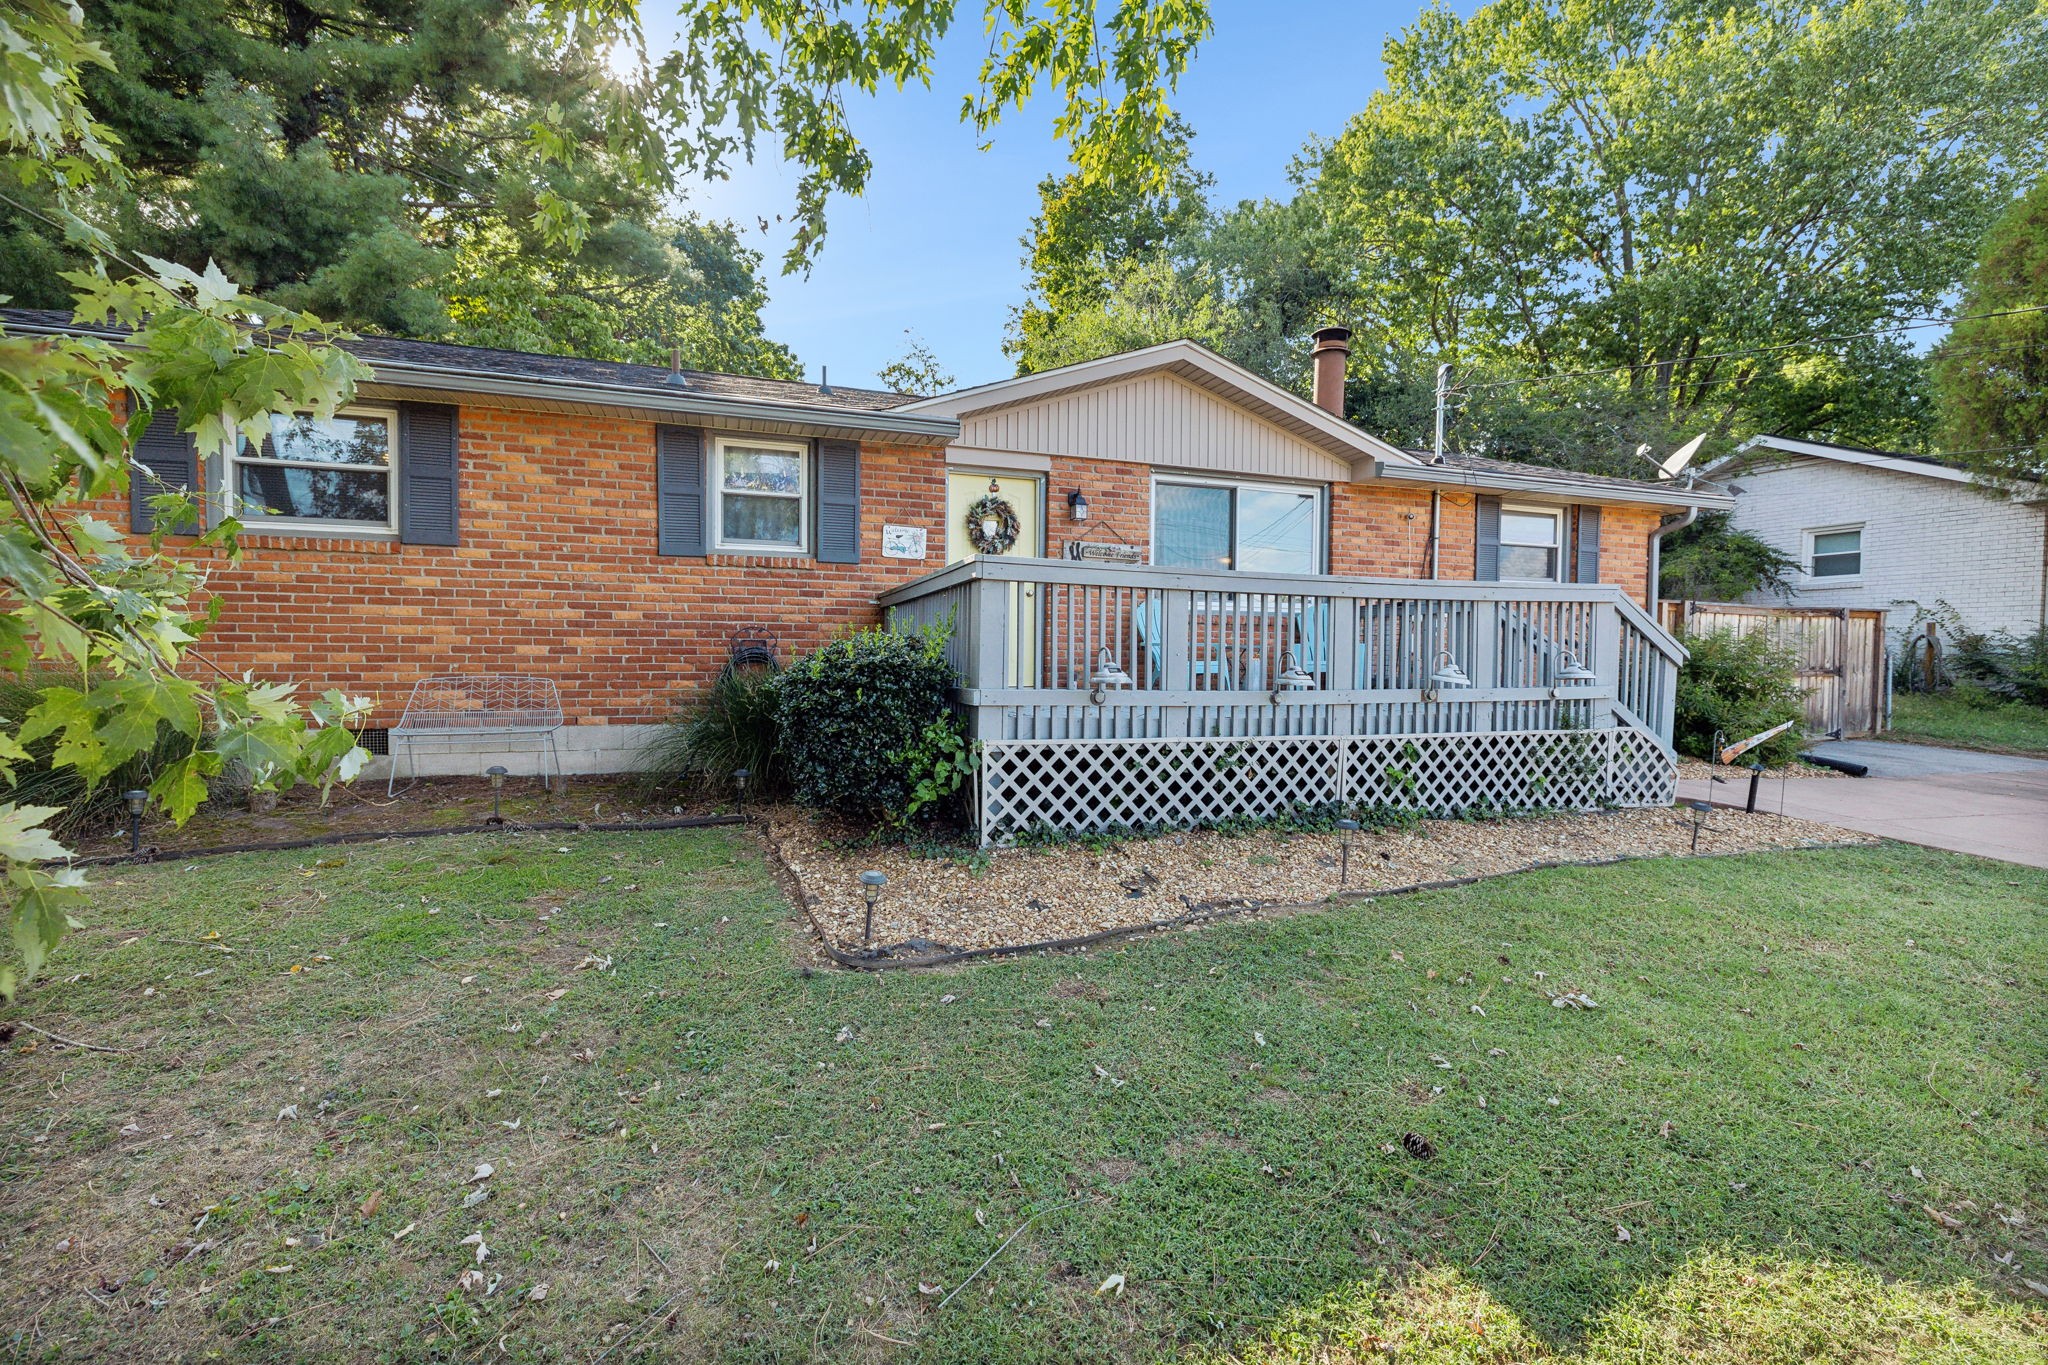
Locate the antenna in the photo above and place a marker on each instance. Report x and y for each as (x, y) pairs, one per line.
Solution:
(1443, 392)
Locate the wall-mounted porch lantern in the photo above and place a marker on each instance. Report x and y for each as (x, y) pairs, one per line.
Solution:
(1447, 674)
(1077, 505)
(1108, 674)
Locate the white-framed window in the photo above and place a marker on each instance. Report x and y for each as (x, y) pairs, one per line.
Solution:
(1834, 553)
(1531, 544)
(1251, 527)
(322, 472)
(761, 494)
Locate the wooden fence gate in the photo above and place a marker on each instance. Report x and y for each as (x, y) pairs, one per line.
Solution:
(1840, 653)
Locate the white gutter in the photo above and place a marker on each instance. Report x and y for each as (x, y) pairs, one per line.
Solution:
(1560, 485)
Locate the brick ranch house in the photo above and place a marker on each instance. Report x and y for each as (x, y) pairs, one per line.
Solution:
(614, 527)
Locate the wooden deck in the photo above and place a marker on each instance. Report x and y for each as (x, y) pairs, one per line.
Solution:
(1110, 696)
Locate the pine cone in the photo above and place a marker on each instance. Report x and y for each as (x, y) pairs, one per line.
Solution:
(1418, 1146)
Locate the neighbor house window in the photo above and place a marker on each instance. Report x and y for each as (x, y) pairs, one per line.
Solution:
(330, 471)
(1835, 554)
(763, 493)
(1529, 541)
(1257, 528)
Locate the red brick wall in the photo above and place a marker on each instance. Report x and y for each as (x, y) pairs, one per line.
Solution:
(1119, 504)
(556, 575)
(1625, 548)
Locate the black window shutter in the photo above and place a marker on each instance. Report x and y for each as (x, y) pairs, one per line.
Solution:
(427, 472)
(1486, 547)
(679, 490)
(838, 502)
(1587, 549)
(172, 458)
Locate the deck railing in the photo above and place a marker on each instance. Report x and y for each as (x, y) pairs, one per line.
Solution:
(1113, 696)
(1247, 654)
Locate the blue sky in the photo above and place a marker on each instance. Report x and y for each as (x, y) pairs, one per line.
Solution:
(933, 245)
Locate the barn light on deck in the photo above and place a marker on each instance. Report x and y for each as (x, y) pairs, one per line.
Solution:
(1570, 670)
(1077, 505)
(496, 772)
(1292, 679)
(871, 884)
(135, 800)
(1108, 674)
(1447, 674)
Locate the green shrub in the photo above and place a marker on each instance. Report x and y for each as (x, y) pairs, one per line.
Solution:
(938, 765)
(851, 715)
(1737, 685)
(2002, 665)
(730, 726)
(37, 783)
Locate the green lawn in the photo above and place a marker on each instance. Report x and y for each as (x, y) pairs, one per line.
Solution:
(2011, 728)
(717, 1156)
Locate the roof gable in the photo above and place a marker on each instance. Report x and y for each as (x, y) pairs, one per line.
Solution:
(1210, 409)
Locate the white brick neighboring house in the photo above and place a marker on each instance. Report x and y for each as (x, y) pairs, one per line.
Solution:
(1898, 532)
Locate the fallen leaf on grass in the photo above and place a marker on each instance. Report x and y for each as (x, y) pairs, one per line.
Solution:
(555, 994)
(537, 1293)
(372, 1204)
(469, 1281)
(484, 1171)
(1952, 1224)
(278, 1269)
(476, 1239)
(2037, 1287)
(475, 1197)
(1621, 1234)
(403, 1232)
(290, 1111)
(1114, 1282)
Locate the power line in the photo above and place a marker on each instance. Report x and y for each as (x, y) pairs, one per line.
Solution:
(1906, 325)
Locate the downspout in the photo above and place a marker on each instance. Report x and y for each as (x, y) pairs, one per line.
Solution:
(1664, 528)
(1436, 521)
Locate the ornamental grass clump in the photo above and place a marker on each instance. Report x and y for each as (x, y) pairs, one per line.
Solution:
(852, 715)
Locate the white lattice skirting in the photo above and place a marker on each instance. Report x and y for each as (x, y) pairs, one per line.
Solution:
(1091, 786)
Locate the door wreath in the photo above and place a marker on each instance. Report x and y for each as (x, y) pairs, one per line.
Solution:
(992, 525)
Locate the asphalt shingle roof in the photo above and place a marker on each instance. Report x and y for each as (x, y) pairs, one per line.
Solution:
(560, 369)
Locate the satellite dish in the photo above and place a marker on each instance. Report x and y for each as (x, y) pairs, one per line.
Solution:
(1671, 464)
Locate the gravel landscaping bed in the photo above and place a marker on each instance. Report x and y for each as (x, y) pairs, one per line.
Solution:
(1697, 770)
(1035, 895)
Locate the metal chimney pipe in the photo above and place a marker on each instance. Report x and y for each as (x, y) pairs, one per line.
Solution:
(1332, 354)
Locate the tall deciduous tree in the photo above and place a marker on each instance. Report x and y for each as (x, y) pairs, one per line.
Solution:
(1991, 374)
(1652, 191)
(1645, 186)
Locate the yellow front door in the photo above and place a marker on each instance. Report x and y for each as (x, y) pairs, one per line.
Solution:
(1026, 496)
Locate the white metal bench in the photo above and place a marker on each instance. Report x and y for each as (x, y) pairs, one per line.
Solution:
(471, 707)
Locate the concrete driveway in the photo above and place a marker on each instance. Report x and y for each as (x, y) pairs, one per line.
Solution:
(1992, 805)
